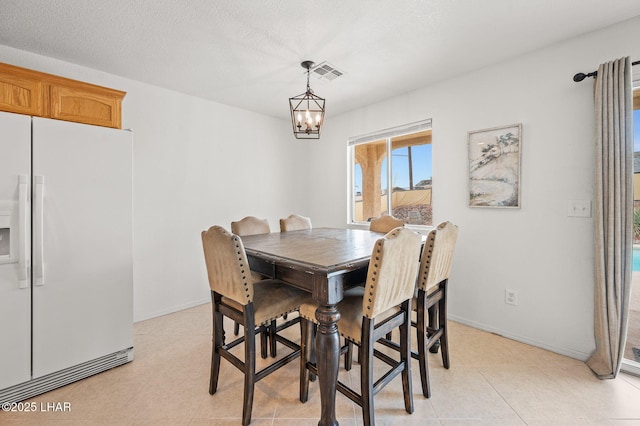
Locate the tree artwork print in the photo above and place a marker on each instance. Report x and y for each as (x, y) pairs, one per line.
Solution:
(494, 167)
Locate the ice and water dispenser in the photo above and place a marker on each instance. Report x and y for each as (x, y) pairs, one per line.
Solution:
(7, 251)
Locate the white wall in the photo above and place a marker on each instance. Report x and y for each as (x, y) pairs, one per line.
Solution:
(188, 175)
(196, 164)
(537, 250)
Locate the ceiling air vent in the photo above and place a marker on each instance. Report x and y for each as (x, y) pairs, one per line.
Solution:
(326, 71)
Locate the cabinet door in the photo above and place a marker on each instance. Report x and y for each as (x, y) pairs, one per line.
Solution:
(15, 287)
(73, 103)
(20, 91)
(82, 293)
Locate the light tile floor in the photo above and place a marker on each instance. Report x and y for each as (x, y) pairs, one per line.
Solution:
(492, 381)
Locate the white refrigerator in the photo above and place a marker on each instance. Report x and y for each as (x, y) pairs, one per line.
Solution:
(66, 269)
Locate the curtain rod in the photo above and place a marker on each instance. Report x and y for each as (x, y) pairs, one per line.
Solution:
(581, 76)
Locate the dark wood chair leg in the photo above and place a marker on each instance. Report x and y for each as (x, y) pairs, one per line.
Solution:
(249, 364)
(366, 372)
(263, 344)
(236, 328)
(444, 339)
(405, 358)
(272, 338)
(217, 342)
(434, 324)
(421, 331)
(306, 349)
(312, 357)
(348, 356)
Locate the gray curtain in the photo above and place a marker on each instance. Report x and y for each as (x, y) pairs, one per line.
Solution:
(613, 214)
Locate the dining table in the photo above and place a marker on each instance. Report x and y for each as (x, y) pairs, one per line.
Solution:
(324, 262)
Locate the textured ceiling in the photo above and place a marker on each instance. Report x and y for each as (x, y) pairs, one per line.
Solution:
(247, 53)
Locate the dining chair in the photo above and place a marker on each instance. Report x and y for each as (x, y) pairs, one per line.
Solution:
(431, 301)
(252, 304)
(294, 223)
(385, 223)
(250, 225)
(384, 304)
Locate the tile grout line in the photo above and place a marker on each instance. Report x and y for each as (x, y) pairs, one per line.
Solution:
(500, 395)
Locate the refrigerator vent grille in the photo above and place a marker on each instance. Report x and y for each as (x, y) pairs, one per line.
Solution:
(43, 384)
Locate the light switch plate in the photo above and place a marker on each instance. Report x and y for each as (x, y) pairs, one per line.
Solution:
(579, 208)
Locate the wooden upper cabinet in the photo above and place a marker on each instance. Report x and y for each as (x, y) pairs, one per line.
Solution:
(74, 103)
(25, 91)
(21, 94)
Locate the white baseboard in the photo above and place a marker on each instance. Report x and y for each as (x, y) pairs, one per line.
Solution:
(172, 309)
(572, 353)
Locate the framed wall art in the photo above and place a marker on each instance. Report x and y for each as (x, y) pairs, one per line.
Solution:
(494, 167)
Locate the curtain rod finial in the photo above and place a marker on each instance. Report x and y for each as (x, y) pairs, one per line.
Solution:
(579, 77)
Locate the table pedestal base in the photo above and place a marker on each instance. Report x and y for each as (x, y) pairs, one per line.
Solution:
(328, 360)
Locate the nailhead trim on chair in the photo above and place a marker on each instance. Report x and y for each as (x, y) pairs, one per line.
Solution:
(428, 246)
(276, 317)
(374, 272)
(241, 264)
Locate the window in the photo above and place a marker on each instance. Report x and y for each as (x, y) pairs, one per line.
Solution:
(402, 186)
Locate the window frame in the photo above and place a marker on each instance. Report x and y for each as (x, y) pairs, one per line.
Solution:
(387, 135)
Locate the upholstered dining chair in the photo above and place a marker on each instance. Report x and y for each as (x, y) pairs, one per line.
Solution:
(254, 305)
(294, 223)
(250, 225)
(431, 300)
(382, 305)
(384, 223)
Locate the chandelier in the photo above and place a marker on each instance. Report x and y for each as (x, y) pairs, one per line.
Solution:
(307, 111)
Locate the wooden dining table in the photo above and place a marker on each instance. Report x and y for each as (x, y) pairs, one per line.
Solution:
(325, 262)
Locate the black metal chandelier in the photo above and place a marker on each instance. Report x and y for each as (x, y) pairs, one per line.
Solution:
(307, 111)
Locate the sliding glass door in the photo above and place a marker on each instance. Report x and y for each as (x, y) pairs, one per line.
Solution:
(631, 361)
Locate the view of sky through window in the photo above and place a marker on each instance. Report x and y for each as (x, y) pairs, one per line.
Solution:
(636, 130)
(421, 158)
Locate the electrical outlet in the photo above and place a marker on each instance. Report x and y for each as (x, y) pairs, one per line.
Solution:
(510, 297)
(579, 208)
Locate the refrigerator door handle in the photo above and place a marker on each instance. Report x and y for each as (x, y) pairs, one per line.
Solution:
(38, 226)
(23, 213)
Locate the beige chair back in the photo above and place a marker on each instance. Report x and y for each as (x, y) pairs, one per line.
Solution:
(437, 255)
(385, 223)
(294, 223)
(227, 265)
(391, 278)
(250, 225)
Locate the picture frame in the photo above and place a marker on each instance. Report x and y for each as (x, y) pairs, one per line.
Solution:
(494, 166)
